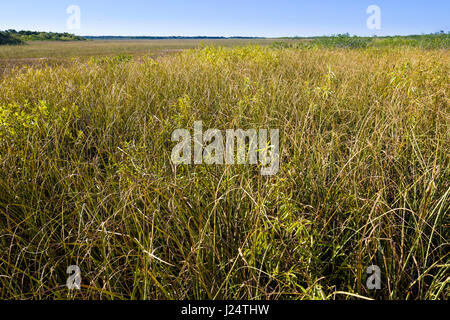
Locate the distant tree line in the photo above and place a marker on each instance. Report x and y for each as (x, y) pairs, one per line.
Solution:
(165, 37)
(438, 40)
(12, 36)
(7, 38)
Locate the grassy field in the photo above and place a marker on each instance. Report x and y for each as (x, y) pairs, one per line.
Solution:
(86, 176)
(59, 53)
(76, 49)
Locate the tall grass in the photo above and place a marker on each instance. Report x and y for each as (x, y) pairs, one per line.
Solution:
(86, 177)
(428, 41)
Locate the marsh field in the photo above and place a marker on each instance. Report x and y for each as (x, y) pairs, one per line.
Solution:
(86, 176)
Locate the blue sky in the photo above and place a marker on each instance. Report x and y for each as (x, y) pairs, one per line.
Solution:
(227, 17)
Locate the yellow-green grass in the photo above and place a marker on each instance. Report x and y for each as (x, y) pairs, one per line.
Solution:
(59, 53)
(86, 177)
(71, 49)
